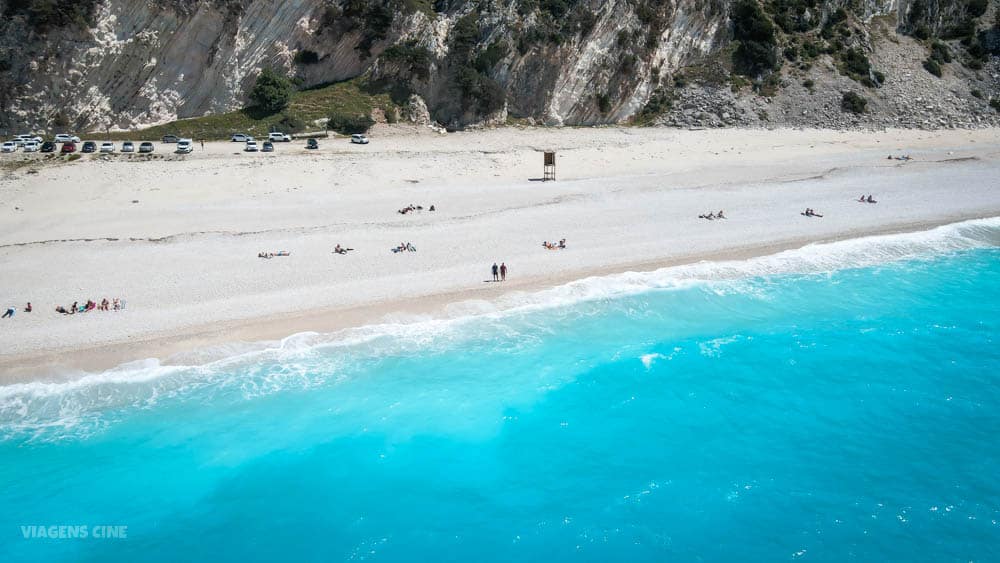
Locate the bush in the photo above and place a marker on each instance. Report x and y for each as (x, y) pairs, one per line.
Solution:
(372, 19)
(347, 124)
(940, 52)
(810, 50)
(809, 83)
(306, 57)
(290, 124)
(417, 59)
(45, 15)
(995, 103)
(603, 103)
(977, 93)
(272, 92)
(856, 64)
(658, 104)
(853, 103)
(978, 7)
(932, 66)
(480, 92)
(756, 53)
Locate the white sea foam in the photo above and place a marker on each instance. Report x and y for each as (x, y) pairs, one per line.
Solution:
(309, 359)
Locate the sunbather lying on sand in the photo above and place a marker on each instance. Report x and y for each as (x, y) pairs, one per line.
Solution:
(811, 213)
(341, 250)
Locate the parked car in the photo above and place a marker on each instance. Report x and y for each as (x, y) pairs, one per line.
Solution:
(268, 146)
(185, 146)
(146, 146)
(241, 137)
(68, 147)
(67, 138)
(8, 146)
(31, 146)
(25, 137)
(107, 146)
(359, 139)
(89, 146)
(251, 146)
(312, 144)
(128, 146)
(169, 139)
(48, 146)
(279, 137)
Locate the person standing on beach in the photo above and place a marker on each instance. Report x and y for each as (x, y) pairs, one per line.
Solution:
(496, 272)
(503, 271)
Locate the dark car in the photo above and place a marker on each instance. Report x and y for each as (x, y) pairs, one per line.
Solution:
(268, 146)
(312, 144)
(170, 139)
(48, 146)
(68, 148)
(89, 146)
(146, 146)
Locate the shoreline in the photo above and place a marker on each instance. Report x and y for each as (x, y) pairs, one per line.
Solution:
(25, 368)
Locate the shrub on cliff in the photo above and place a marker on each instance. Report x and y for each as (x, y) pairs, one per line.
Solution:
(853, 103)
(978, 7)
(347, 124)
(417, 60)
(932, 66)
(45, 15)
(757, 50)
(272, 92)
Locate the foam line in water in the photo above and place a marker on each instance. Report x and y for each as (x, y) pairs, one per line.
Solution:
(35, 408)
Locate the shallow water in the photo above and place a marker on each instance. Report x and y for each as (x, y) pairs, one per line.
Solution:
(832, 403)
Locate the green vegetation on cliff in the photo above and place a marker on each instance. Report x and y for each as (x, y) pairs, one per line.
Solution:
(347, 103)
(45, 15)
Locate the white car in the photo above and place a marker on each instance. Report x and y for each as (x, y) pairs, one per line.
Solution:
(107, 146)
(359, 139)
(184, 146)
(128, 146)
(31, 146)
(8, 146)
(24, 138)
(241, 138)
(280, 137)
(66, 138)
(251, 146)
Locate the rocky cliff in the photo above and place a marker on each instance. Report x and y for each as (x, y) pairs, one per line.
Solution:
(93, 64)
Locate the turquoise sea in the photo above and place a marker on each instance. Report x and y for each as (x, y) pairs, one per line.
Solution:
(839, 402)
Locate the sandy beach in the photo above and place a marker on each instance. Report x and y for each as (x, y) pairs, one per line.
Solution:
(178, 238)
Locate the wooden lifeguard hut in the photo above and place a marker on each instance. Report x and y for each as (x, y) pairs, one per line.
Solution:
(550, 166)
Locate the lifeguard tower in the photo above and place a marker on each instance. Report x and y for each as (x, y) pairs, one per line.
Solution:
(550, 167)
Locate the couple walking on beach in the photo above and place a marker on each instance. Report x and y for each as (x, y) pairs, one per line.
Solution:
(499, 272)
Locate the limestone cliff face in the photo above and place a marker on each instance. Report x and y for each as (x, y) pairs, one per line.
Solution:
(143, 62)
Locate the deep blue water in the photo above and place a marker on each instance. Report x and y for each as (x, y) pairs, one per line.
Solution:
(834, 403)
